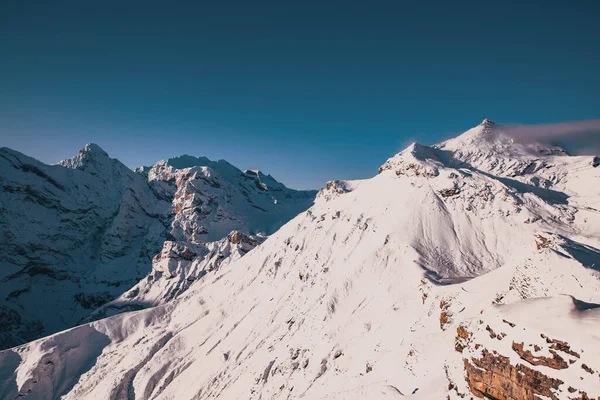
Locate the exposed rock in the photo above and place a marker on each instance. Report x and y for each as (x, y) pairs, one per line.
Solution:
(237, 237)
(493, 377)
(560, 345)
(463, 337)
(587, 369)
(336, 188)
(556, 362)
(541, 242)
(509, 323)
(491, 332)
(449, 192)
(445, 314)
(444, 319)
(486, 123)
(416, 160)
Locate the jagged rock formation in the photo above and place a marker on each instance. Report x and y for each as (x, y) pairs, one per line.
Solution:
(79, 234)
(493, 377)
(537, 367)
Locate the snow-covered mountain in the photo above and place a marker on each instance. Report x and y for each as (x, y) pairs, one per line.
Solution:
(80, 234)
(467, 269)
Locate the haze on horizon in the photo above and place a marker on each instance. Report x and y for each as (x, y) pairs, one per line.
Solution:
(305, 92)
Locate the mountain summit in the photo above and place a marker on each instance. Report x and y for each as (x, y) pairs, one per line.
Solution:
(91, 158)
(486, 123)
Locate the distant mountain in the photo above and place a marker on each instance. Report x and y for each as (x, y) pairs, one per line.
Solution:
(79, 234)
(467, 269)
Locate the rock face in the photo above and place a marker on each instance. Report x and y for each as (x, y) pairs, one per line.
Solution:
(533, 366)
(555, 362)
(493, 377)
(337, 188)
(80, 234)
(73, 235)
(219, 213)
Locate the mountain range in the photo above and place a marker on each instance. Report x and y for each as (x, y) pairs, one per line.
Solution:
(466, 269)
(89, 237)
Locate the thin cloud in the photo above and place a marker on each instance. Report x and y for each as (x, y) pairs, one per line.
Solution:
(577, 137)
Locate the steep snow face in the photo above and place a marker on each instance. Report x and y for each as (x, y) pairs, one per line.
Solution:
(217, 218)
(73, 238)
(392, 286)
(489, 148)
(81, 233)
(175, 269)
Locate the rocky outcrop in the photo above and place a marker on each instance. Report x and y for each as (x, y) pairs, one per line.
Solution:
(449, 192)
(463, 337)
(336, 188)
(416, 160)
(560, 345)
(237, 237)
(493, 377)
(556, 362)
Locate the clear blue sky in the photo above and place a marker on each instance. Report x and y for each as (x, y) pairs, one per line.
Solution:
(307, 91)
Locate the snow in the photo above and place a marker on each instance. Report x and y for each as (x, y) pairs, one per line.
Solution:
(361, 295)
(83, 233)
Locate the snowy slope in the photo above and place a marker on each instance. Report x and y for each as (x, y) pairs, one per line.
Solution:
(219, 213)
(79, 234)
(435, 279)
(73, 236)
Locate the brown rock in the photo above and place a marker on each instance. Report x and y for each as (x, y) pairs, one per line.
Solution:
(509, 323)
(188, 254)
(445, 314)
(560, 345)
(556, 362)
(541, 242)
(444, 319)
(587, 369)
(462, 338)
(493, 377)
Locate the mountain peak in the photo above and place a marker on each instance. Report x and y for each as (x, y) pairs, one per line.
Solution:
(486, 123)
(93, 148)
(91, 154)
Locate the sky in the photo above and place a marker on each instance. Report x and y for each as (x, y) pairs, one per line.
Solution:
(307, 91)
